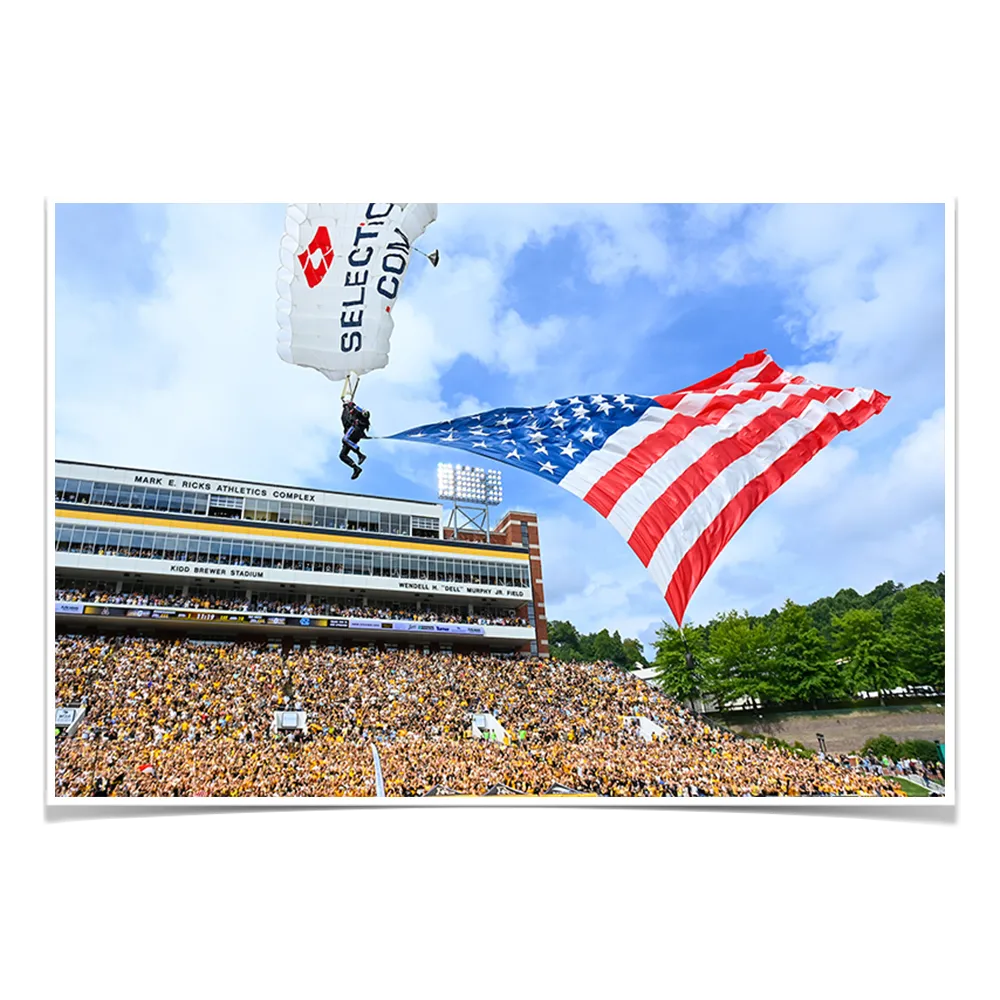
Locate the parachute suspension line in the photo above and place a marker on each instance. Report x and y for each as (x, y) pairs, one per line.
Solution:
(350, 386)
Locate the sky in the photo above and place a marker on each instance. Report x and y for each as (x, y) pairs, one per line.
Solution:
(165, 359)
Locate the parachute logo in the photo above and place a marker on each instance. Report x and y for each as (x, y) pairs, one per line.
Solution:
(316, 258)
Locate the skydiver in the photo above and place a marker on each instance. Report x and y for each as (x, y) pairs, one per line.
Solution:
(348, 414)
(356, 423)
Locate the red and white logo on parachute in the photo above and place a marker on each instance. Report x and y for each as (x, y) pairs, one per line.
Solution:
(316, 258)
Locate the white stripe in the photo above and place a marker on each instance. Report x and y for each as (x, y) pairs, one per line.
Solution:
(707, 506)
(582, 477)
(745, 374)
(579, 479)
(649, 487)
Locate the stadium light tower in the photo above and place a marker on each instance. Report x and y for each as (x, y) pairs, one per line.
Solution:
(472, 492)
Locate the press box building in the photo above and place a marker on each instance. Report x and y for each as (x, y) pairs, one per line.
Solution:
(231, 542)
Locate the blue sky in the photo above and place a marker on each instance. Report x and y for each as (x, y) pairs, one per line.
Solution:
(165, 358)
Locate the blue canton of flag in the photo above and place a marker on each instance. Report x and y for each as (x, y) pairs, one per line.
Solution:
(547, 440)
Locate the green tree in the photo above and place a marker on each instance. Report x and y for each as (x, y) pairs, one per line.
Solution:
(563, 638)
(861, 640)
(677, 670)
(917, 631)
(925, 750)
(633, 652)
(738, 664)
(881, 746)
(802, 668)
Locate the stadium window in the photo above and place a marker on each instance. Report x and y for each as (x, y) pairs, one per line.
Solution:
(76, 540)
(200, 503)
(288, 557)
(149, 500)
(85, 489)
(175, 501)
(69, 494)
(137, 497)
(158, 540)
(60, 487)
(202, 556)
(97, 494)
(169, 545)
(215, 550)
(111, 494)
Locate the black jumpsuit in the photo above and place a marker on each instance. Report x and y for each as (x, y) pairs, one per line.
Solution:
(356, 423)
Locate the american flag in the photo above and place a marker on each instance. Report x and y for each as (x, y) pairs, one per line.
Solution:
(678, 474)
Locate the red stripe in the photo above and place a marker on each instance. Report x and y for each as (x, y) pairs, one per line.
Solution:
(721, 378)
(697, 560)
(607, 491)
(769, 373)
(683, 491)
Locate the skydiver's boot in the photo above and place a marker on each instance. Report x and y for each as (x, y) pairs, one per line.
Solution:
(356, 472)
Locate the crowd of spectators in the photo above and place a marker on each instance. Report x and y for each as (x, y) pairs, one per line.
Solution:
(175, 717)
(270, 605)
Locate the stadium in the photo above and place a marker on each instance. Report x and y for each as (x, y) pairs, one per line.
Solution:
(217, 637)
(237, 560)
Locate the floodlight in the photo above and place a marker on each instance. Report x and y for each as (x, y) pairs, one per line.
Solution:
(468, 484)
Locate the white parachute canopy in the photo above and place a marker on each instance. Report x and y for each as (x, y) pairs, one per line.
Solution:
(342, 269)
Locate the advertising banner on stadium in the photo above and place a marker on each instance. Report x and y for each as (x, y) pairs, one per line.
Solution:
(448, 628)
(249, 618)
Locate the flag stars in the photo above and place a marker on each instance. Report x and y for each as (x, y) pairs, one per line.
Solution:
(604, 406)
(580, 412)
(588, 435)
(541, 448)
(569, 451)
(560, 421)
(547, 467)
(597, 399)
(537, 436)
(514, 453)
